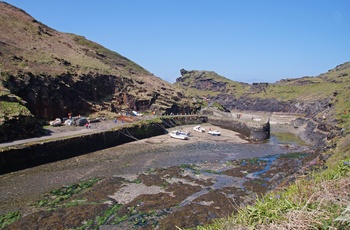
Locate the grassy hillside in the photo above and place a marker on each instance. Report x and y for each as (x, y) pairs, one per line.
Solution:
(306, 88)
(28, 45)
(208, 83)
(58, 73)
(42, 50)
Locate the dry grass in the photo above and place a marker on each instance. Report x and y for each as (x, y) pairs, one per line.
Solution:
(334, 193)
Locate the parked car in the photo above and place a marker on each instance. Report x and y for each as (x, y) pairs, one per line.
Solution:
(56, 122)
(68, 122)
(134, 113)
(81, 121)
(93, 120)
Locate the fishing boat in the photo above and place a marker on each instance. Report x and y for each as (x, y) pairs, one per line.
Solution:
(198, 128)
(214, 132)
(178, 135)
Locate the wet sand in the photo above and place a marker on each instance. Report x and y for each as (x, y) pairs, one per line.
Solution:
(23, 188)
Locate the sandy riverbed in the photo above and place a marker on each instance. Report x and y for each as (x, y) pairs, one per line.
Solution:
(20, 190)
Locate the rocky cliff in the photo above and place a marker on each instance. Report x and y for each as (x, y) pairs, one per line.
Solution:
(312, 96)
(54, 73)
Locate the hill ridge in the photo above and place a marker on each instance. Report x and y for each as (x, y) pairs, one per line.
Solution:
(56, 73)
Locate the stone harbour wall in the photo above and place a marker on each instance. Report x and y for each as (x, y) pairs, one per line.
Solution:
(37, 153)
(254, 131)
(41, 152)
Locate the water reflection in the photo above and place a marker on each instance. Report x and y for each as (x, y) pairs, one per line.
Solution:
(286, 138)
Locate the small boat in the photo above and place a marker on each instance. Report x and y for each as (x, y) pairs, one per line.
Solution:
(178, 135)
(214, 132)
(184, 133)
(198, 128)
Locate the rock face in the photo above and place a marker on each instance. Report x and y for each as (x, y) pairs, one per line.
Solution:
(48, 97)
(275, 105)
(16, 120)
(208, 81)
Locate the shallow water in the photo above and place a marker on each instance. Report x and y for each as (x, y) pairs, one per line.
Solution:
(204, 152)
(285, 138)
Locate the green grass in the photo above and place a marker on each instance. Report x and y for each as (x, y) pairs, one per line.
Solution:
(342, 108)
(300, 92)
(218, 106)
(109, 57)
(189, 79)
(12, 109)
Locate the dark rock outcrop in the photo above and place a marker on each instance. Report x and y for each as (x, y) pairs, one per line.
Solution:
(309, 108)
(16, 121)
(49, 97)
(20, 127)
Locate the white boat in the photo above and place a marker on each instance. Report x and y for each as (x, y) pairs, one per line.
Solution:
(198, 128)
(214, 132)
(176, 134)
(184, 133)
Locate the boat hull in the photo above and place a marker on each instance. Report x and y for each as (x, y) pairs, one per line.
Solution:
(214, 133)
(178, 135)
(199, 129)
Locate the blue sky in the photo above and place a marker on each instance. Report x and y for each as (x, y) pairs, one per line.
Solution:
(243, 40)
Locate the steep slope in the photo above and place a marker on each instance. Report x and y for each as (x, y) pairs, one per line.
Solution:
(57, 73)
(307, 95)
(317, 97)
(208, 85)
